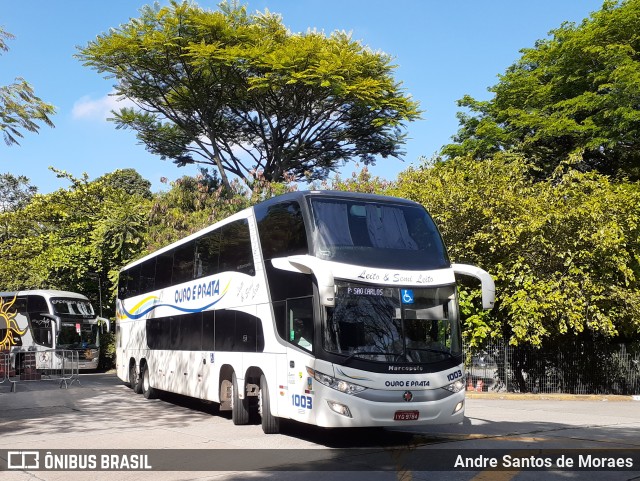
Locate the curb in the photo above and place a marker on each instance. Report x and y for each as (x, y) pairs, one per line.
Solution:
(550, 397)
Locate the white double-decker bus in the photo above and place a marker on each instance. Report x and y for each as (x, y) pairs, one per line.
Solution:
(329, 308)
(53, 321)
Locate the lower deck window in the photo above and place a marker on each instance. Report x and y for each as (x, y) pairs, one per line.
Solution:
(221, 330)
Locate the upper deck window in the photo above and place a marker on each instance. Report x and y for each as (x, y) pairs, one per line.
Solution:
(282, 230)
(375, 234)
(72, 308)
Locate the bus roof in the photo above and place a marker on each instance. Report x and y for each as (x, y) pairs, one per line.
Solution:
(299, 196)
(304, 194)
(47, 293)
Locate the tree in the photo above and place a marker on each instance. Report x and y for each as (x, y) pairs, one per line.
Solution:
(193, 203)
(575, 93)
(128, 180)
(64, 239)
(15, 192)
(241, 93)
(564, 252)
(20, 108)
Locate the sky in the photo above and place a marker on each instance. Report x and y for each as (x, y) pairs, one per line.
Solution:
(442, 49)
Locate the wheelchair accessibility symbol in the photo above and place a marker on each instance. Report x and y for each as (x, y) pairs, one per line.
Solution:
(407, 296)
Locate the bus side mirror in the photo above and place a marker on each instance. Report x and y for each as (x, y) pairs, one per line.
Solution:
(488, 286)
(311, 265)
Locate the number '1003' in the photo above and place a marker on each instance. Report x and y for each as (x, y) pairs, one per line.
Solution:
(301, 401)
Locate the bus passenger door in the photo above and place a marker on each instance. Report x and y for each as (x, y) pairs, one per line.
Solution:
(300, 334)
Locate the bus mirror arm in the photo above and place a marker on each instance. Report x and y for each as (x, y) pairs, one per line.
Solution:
(56, 320)
(55, 327)
(488, 286)
(311, 265)
(102, 321)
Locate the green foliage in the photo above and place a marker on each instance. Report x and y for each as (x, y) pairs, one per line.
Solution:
(241, 93)
(564, 253)
(20, 108)
(15, 192)
(360, 181)
(128, 181)
(80, 237)
(74, 239)
(107, 359)
(574, 93)
(480, 326)
(193, 203)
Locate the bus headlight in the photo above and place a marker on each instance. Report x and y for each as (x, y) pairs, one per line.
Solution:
(455, 386)
(333, 383)
(339, 408)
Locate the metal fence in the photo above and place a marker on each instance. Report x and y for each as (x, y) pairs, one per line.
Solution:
(57, 365)
(573, 368)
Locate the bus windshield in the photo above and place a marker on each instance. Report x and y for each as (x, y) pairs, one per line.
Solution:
(70, 308)
(376, 235)
(418, 325)
(75, 332)
(77, 336)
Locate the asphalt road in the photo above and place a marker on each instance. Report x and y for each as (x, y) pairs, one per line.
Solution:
(102, 415)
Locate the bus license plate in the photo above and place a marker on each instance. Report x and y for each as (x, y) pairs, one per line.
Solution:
(406, 415)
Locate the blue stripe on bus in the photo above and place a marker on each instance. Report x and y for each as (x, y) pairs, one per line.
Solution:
(182, 309)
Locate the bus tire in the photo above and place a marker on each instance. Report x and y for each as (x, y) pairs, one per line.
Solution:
(134, 380)
(147, 391)
(132, 376)
(240, 407)
(270, 423)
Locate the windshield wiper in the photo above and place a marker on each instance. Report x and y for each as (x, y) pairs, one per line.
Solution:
(429, 349)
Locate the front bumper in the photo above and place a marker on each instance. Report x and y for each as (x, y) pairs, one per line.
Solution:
(368, 413)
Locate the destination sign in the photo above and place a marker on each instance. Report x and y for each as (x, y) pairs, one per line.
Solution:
(366, 291)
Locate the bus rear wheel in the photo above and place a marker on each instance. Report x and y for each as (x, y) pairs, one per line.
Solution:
(132, 376)
(147, 391)
(270, 423)
(239, 407)
(134, 381)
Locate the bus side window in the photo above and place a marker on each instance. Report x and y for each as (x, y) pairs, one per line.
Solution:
(18, 306)
(37, 305)
(183, 261)
(300, 322)
(147, 275)
(207, 253)
(236, 254)
(225, 330)
(133, 284)
(164, 268)
(123, 280)
(191, 332)
(208, 331)
(246, 332)
(282, 230)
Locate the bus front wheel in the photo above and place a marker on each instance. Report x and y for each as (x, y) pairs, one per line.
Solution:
(240, 407)
(270, 423)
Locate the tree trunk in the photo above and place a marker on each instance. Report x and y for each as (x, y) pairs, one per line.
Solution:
(223, 173)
